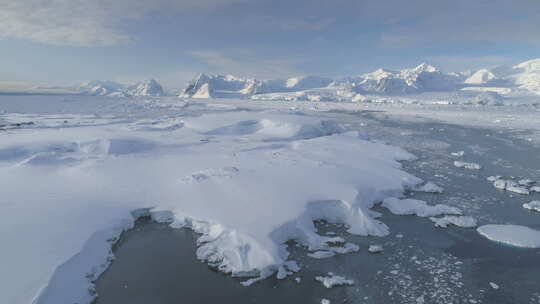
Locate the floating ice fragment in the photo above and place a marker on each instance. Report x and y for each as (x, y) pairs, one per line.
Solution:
(333, 280)
(535, 189)
(514, 235)
(466, 165)
(458, 154)
(500, 184)
(493, 178)
(417, 207)
(493, 285)
(430, 187)
(325, 301)
(375, 248)
(346, 248)
(460, 221)
(509, 185)
(322, 254)
(534, 205)
(526, 182)
(517, 189)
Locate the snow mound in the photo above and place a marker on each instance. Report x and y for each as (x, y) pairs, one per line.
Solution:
(417, 207)
(271, 129)
(514, 235)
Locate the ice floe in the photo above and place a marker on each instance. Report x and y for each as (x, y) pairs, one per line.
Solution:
(520, 187)
(460, 221)
(533, 205)
(514, 235)
(417, 207)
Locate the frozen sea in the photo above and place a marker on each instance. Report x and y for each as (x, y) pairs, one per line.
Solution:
(153, 262)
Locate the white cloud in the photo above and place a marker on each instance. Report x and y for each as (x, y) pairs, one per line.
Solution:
(84, 22)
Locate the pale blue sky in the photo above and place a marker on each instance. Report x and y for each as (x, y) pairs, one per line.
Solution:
(69, 41)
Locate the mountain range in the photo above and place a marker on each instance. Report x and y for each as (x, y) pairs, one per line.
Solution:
(523, 78)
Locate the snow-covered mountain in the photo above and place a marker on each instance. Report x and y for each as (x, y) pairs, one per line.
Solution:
(483, 76)
(423, 78)
(523, 78)
(419, 79)
(209, 86)
(526, 75)
(146, 88)
(99, 88)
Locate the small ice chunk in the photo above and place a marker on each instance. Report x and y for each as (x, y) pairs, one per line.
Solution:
(500, 184)
(493, 178)
(517, 189)
(346, 248)
(333, 280)
(466, 165)
(514, 235)
(535, 189)
(534, 205)
(458, 153)
(430, 187)
(509, 185)
(325, 301)
(375, 248)
(420, 300)
(493, 285)
(298, 280)
(282, 273)
(526, 182)
(322, 254)
(417, 207)
(292, 266)
(460, 221)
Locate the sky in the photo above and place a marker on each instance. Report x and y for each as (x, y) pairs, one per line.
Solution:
(65, 42)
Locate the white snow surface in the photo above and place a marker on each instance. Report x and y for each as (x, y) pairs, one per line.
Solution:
(247, 181)
(514, 235)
